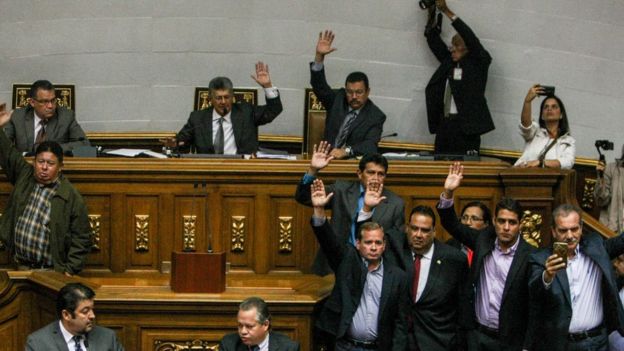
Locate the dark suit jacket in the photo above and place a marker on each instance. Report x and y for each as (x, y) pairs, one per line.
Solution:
(277, 342)
(389, 214)
(62, 128)
(468, 93)
(514, 311)
(245, 121)
(50, 338)
(554, 306)
(340, 307)
(365, 131)
(433, 319)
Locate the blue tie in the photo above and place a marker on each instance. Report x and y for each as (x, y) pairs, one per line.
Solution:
(77, 339)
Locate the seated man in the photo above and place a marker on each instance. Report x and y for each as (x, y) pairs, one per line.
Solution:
(227, 128)
(354, 123)
(254, 330)
(45, 222)
(42, 121)
(75, 328)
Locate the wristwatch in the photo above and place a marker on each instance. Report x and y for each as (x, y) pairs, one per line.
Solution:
(349, 150)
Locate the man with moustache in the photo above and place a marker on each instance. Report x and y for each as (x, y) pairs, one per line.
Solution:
(353, 124)
(578, 302)
(75, 328)
(227, 128)
(496, 312)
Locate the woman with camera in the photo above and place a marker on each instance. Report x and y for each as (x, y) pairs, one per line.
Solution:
(609, 193)
(548, 144)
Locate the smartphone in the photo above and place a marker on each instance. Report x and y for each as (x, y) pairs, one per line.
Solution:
(561, 249)
(547, 90)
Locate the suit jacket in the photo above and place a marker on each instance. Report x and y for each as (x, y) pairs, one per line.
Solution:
(340, 307)
(365, 132)
(389, 214)
(62, 128)
(245, 121)
(514, 310)
(433, 319)
(277, 342)
(468, 93)
(554, 306)
(50, 338)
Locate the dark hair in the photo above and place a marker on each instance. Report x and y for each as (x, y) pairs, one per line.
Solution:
(39, 85)
(220, 83)
(509, 204)
(50, 146)
(357, 77)
(564, 126)
(367, 227)
(487, 215)
(620, 161)
(262, 310)
(375, 158)
(564, 210)
(70, 296)
(425, 211)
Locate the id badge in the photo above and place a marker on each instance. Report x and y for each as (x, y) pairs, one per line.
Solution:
(457, 73)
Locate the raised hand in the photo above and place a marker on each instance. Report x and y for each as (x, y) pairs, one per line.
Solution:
(324, 45)
(319, 197)
(372, 196)
(453, 180)
(320, 157)
(552, 265)
(535, 90)
(5, 116)
(262, 76)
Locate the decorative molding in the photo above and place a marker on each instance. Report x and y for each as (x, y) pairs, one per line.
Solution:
(530, 228)
(202, 97)
(285, 234)
(95, 224)
(189, 232)
(587, 203)
(238, 233)
(141, 232)
(313, 103)
(201, 345)
(64, 95)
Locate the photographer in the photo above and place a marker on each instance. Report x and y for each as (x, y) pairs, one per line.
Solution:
(609, 193)
(548, 144)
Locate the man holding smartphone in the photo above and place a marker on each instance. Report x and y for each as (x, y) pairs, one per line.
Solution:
(577, 303)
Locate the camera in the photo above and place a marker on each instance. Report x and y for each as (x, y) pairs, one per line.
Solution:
(604, 144)
(425, 4)
(548, 90)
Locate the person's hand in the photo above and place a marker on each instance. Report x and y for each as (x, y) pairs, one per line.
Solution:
(600, 167)
(319, 197)
(67, 274)
(339, 153)
(170, 142)
(262, 76)
(441, 5)
(553, 264)
(529, 164)
(320, 157)
(453, 180)
(372, 196)
(535, 90)
(324, 45)
(5, 116)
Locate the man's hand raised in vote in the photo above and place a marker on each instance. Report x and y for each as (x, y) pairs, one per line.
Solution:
(262, 76)
(453, 180)
(372, 196)
(320, 158)
(324, 45)
(319, 198)
(5, 116)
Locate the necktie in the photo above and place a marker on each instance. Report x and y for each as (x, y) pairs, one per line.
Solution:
(447, 99)
(77, 339)
(345, 129)
(254, 348)
(416, 276)
(469, 254)
(218, 142)
(41, 135)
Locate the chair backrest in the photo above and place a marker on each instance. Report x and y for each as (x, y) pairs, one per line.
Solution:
(202, 97)
(313, 121)
(65, 94)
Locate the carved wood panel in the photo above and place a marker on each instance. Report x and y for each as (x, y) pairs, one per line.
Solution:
(142, 224)
(284, 234)
(99, 207)
(238, 226)
(190, 223)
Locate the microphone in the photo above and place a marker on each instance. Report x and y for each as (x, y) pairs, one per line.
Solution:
(391, 135)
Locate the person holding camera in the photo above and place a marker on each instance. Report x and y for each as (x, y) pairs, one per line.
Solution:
(547, 144)
(457, 111)
(609, 193)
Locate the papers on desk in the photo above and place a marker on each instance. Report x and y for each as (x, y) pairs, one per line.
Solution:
(408, 156)
(135, 153)
(261, 154)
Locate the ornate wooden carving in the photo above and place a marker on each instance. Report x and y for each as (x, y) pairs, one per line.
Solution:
(530, 228)
(587, 203)
(141, 229)
(189, 232)
(285, 234)
(238, 233)
(95, 224)
(202, 345)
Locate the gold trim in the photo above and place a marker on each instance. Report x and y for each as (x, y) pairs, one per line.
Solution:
(587, 202)
(530, 228)
(189, 232)
(95, 225)
(188, 345)
(141, 233)
(285, 234)
(238, 233)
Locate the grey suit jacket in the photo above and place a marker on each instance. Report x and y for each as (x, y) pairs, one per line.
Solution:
(277, 342)
(62, 128)
(50, 338)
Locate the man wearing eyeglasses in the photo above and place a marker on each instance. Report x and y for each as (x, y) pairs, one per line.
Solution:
(457, 111)
(42, 120)
(496, 313)
(354, 123)
(577, 296)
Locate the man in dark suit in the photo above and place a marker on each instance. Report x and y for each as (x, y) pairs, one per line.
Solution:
(457, 110)
(366, 308)
(576, 294)
(496, 311)
(347, 202)
(436, 272)
(254, 330)
(42, 120)
(353, 124)
(227, 128)
(75, 330)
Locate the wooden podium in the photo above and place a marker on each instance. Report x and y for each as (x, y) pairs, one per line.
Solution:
(197, 272)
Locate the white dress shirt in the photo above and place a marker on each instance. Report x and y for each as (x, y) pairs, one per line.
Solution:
(229, 144)
(69, 338)
(425, 266)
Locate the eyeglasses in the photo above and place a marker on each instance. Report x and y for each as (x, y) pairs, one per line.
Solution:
(467, 218)
(46, 102)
